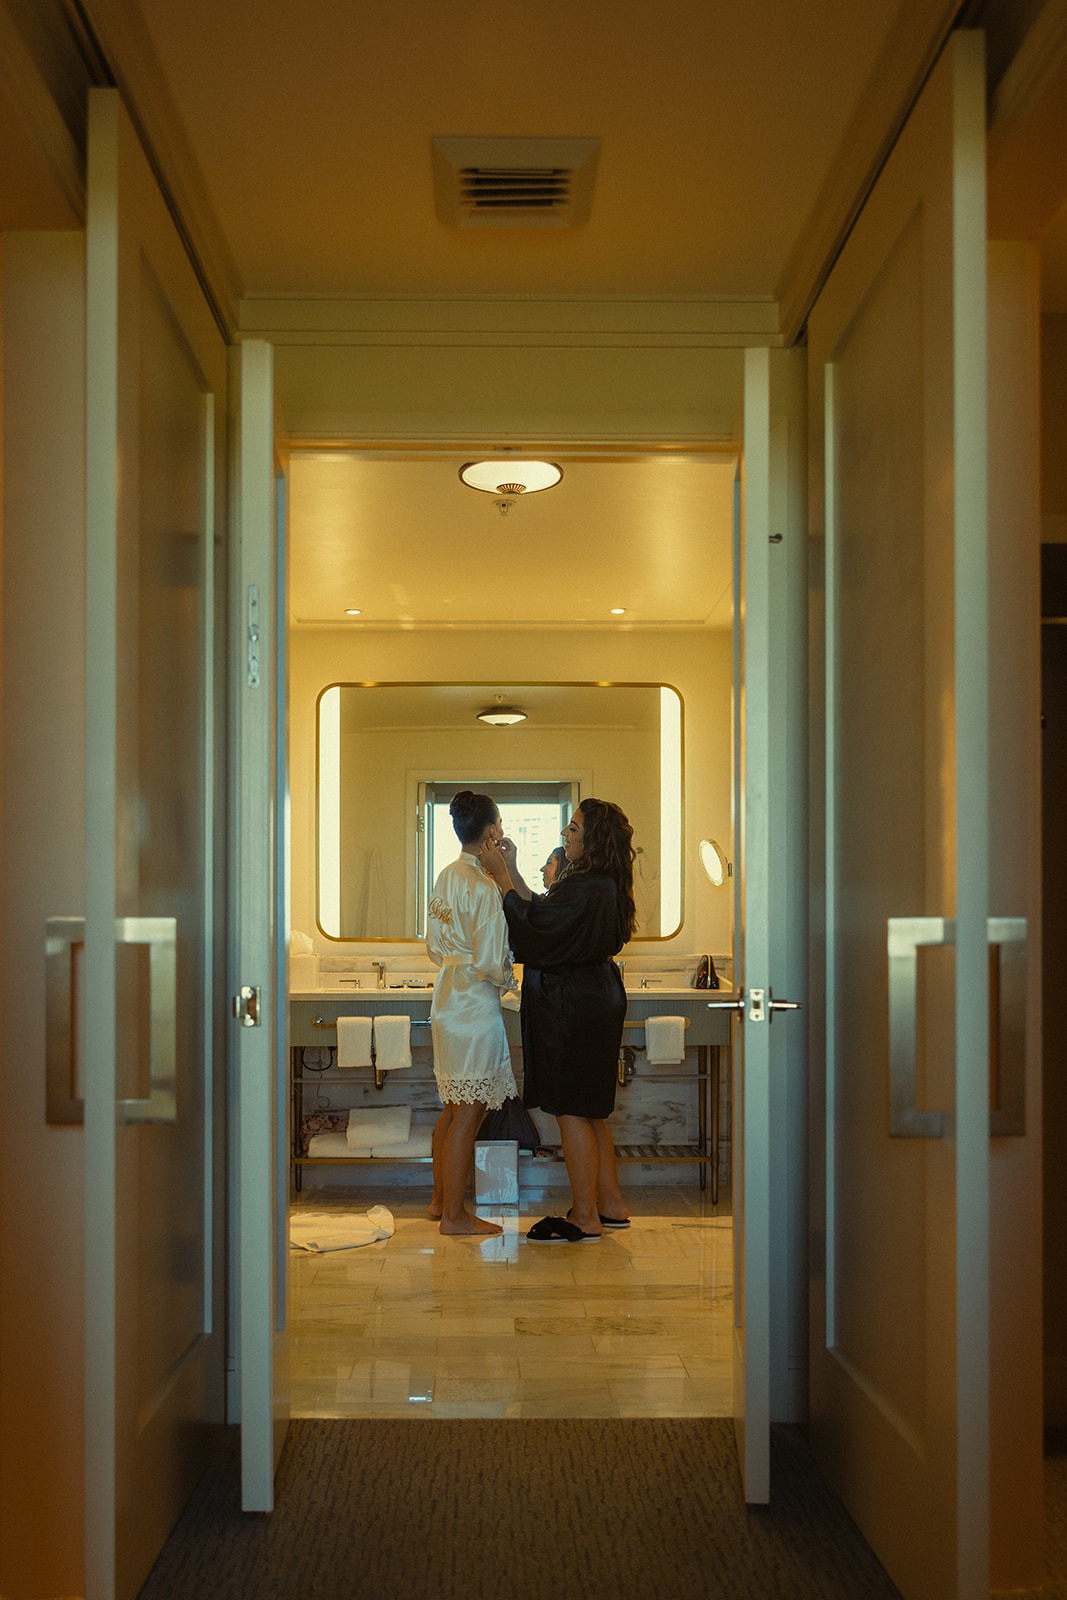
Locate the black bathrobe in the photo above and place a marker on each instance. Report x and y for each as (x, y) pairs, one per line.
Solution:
(573, 1001)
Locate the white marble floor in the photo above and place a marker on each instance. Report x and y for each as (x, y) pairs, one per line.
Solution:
(638, 1325)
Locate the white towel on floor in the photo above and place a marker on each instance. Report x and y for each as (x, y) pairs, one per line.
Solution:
(373, 1125)
(316, 1231)
(665, 1040)
(392, 1043)
(353, 1041)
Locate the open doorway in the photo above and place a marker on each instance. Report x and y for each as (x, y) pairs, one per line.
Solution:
(420, 1324)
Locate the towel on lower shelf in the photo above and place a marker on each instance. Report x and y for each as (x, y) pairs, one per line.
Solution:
(664, 1040)
(372, 1125)
(420, 1144)
(353, 1041)
(334, 1145)
(392, 1043)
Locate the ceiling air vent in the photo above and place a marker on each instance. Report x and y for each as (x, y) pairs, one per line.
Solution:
(514, 183)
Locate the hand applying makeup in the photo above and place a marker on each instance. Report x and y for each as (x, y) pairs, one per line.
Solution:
(499, 860)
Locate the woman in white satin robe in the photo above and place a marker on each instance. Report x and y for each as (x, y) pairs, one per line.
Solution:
(467, 936)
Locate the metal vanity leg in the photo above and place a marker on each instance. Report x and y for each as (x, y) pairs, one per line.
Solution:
(703, 1070)
(714, 1073)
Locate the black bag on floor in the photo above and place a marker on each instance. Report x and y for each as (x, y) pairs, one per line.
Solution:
(511, 1121)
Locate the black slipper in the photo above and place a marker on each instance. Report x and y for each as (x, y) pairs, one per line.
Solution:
(557, 1230)
(609, 1222)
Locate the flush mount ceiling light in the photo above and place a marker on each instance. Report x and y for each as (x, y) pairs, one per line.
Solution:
(500, 715)
(511, 477)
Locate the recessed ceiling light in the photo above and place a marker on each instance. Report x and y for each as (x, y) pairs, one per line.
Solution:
(353, 611)
(618, 611)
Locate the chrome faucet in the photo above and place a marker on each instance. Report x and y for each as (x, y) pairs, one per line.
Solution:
(646, 981)
(379, 967)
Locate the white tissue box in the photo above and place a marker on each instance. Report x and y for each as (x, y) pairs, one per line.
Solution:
(496, 1172)
(303, 971)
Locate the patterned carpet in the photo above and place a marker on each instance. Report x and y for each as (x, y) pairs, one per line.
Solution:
(519, 1510)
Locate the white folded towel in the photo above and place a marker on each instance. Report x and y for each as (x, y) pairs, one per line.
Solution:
(353, 1041)
(665, 1040)
(331, 1144)
(368, 1126)
(420, 1144)
(392, 1043)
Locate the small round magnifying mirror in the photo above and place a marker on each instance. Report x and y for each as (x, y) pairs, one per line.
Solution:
(714, 862)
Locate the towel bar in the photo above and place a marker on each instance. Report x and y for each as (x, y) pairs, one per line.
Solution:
(639, 1023)
(379, 1077)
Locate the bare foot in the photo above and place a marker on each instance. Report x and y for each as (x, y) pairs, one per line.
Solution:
(433, 1210)
(469, 1224)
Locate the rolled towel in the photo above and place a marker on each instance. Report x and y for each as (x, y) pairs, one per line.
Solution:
(353, 1041)
(373, 1125)
(665, 1040)
(392, 1043)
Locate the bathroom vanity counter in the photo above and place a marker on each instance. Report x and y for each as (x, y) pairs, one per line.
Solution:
(313, 1015)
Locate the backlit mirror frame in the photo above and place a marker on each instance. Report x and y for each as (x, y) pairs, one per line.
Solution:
(671, 802)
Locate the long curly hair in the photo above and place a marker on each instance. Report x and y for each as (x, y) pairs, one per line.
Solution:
(608, 846)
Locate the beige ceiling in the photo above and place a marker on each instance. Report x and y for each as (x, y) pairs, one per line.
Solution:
(312, 127)
(408, 544)
(718, 127)
(736, 142)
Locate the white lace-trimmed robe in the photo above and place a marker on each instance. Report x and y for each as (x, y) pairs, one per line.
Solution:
(467, 936)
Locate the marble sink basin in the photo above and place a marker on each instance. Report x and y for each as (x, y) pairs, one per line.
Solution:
(395, 983)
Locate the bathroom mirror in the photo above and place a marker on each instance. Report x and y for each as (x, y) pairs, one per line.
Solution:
(386, 752)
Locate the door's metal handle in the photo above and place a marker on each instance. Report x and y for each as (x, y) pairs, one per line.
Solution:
(247, 1008)
(1007, 1026)
(62, 936)
(759, 1005)
(161, 936)
(905, 935)
(1007, 1023)
(63, 1106)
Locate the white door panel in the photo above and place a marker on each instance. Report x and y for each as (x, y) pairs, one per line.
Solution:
(900, 474)
(769, 942)
(154, 1358)
(258, 956)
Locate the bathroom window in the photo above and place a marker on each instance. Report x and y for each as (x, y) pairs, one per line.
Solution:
(533, 813)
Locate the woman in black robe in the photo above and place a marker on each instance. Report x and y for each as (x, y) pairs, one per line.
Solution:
(573, 1003)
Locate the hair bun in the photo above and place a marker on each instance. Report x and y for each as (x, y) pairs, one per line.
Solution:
(463, 803)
